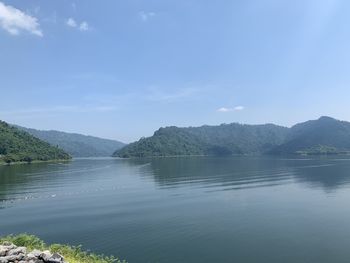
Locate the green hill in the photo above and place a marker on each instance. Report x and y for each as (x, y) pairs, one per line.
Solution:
(77, 145)
(19, 146)
(226, 139)
(323, 136)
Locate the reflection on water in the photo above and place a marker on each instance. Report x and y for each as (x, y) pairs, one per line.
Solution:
(329, 173)
(207, 209)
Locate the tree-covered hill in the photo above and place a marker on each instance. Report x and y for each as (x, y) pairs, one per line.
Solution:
(323, 136)
(19, 146)
(77, 145)
(226, 139)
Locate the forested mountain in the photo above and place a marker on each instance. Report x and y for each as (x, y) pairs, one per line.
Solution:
(77, 145)
(20, 146)
(226, 139)
(323, 136)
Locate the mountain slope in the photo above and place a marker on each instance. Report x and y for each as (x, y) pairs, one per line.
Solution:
(77, 145)
(323, 136)
(225, 139)
(17, 145)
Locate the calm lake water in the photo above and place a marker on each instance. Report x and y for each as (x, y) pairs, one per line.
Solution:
(203, 209)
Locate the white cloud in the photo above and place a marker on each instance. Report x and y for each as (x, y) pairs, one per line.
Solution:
(239, 108)
(84, 26)
(15, 21)
(145, 16)
(224, 109)
(71, 22)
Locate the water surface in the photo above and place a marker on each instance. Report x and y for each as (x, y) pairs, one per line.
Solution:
(202, 209)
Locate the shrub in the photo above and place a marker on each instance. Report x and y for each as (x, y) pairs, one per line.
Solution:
(72, 254)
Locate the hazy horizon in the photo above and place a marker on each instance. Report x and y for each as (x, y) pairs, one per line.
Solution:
(120, 70)
(148, 135)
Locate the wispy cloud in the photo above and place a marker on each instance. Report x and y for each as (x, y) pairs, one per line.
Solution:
(83, 26)
(224, 109)
(36, 10)
(74, 6)
(145, 16)
(51, 19)
(14, 21)
(155, 94)
(96, 76)
(238, 108)
(58, 109)
(71, 22)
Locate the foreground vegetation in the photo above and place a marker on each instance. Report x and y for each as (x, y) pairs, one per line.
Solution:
(19, 146)
(71, 254)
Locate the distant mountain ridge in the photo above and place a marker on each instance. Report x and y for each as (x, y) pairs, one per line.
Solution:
(77, 145)
(226, 139)
(323, 136)
(19, 146)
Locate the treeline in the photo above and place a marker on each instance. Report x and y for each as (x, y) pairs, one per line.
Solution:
(317, 137)
(19, 146)
(226, 139)
(77, 145)
(323, 136)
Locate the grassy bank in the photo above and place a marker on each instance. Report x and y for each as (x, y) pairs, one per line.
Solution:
(71, 254)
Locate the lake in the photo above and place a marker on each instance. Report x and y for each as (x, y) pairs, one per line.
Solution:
(196, 209)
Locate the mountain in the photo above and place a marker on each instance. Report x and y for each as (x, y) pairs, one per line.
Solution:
(20, 146)
(226, 139)
(77, 145)
(323, 136)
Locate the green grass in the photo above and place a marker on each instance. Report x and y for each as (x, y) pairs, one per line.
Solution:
(71, 254)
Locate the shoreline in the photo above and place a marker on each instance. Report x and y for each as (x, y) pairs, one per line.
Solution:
(2, 163)
(234, 155)
(28, 248)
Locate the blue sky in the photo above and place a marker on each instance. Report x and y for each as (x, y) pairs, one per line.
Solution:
(121, 69)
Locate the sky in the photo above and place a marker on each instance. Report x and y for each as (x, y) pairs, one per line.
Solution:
(122, 69)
